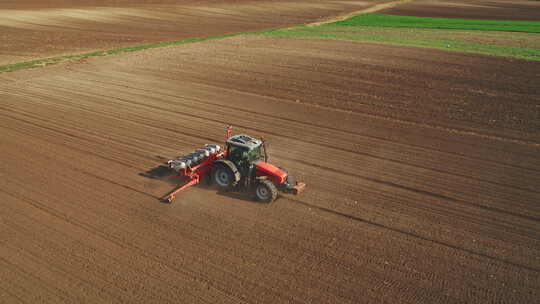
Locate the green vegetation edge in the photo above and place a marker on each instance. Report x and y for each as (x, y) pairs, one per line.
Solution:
(55, 60)
(356, 29)
(385, 20)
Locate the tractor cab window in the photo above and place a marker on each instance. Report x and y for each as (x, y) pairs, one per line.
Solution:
(235, 153)
(255, 154)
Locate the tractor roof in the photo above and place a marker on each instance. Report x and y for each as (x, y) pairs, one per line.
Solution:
(245, 141)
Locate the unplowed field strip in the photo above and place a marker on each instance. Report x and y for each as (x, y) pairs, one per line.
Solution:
(404, 200)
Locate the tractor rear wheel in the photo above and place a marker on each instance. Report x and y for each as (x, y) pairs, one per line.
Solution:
(223, 177)
(266, 191)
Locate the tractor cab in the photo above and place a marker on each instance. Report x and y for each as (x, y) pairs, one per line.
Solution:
(249, 156)
(244, 150)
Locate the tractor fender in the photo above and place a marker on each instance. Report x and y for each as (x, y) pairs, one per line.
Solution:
(275, 174)
(229, 164)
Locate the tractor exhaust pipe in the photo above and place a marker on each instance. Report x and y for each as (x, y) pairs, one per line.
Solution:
(229, 133)
(264, 149)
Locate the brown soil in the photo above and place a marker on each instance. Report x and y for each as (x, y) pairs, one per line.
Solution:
(31, 29)
(422, 186)
(478, 9)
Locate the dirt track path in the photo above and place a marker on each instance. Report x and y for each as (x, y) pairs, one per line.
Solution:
(405, 201)
(371, 9)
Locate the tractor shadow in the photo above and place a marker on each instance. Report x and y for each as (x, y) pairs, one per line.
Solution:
(162, 173)
(237, 195)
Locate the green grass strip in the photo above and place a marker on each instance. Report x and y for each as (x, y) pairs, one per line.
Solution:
(383, 20)
(54, 60)
(442, 44)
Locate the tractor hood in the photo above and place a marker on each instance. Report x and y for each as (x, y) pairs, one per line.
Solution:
(277, 175)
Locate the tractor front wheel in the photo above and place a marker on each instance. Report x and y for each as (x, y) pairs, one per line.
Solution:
(266, 191)
(223, 177)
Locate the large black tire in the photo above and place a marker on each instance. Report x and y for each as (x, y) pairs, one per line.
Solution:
(223, 177)
(266, 191)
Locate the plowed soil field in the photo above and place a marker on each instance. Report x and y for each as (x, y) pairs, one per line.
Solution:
(407, 202)
(31, 29)
(478, 9)
(422, 165)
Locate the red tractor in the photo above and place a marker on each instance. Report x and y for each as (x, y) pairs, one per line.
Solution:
(241, 166)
